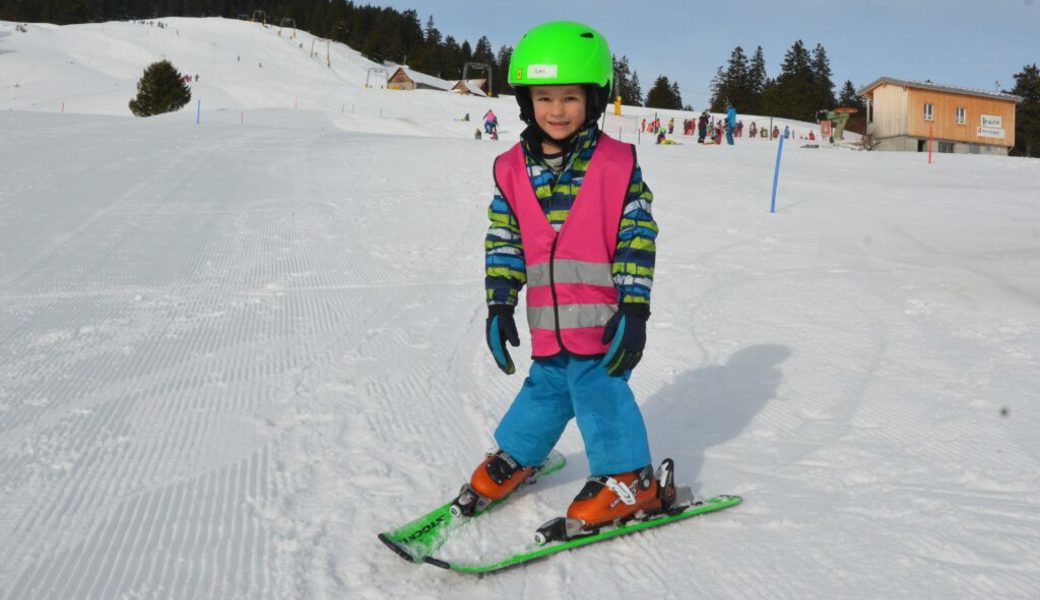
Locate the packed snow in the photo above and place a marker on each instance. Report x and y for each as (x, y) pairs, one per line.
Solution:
(233, 352)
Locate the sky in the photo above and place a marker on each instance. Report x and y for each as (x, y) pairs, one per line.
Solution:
(956, 42)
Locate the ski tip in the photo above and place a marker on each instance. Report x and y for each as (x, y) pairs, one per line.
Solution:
(437, 562)
(397, 548)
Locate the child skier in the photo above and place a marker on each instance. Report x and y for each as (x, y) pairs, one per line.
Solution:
(570, 219)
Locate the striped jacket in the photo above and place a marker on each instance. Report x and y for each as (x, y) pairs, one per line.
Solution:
(633, 268)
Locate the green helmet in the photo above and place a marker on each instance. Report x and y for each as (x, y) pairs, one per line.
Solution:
(563, 53)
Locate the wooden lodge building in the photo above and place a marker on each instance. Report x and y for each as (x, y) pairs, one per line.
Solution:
(407, 79)
(901, 115)
(404, 78)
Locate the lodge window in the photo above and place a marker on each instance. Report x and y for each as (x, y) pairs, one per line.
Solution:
(962, 116)
(946, 147)
(929, 111)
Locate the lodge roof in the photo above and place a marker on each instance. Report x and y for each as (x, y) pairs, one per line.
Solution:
(423, 78)
(473, 86)
(928, 85)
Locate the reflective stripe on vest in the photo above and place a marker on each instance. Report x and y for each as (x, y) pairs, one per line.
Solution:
(570, 290)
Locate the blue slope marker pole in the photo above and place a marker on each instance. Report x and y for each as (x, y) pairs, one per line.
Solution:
(198, 117)
(776, 173)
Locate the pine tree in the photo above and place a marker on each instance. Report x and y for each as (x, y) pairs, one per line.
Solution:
(160, 90)
(432, 49)
(483, 52)
(849, 98)
(793, 93)
(663, 94)
(465, 52)
(1027, 113)
(731, 86)
(676, 96)
(451, 68)
(823, 86)
(626, 84)
(501, 78)
(719, 91)
(757, 80)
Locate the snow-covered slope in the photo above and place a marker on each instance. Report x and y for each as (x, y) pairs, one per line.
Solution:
(231, 353)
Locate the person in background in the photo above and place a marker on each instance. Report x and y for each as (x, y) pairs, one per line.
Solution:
(731, 123)
(702, 127)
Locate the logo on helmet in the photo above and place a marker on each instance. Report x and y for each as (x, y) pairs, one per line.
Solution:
(542, 71)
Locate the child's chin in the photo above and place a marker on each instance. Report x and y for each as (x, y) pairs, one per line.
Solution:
(564, 138)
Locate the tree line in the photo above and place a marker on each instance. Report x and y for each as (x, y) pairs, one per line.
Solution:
(803, 86)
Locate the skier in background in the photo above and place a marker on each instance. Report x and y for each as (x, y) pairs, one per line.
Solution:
(702, 127)
(490, 121)
(588, 268)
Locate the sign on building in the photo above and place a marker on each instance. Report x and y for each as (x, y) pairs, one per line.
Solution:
(992, 122)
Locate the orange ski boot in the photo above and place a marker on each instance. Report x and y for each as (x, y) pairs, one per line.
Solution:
(624, 496)
(493, 479)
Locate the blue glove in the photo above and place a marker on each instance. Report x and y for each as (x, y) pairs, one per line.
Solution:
(626, 334)
(501, 328)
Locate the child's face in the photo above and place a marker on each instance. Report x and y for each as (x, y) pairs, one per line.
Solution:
(559, 109)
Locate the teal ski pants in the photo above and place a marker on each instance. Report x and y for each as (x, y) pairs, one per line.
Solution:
(565, 387)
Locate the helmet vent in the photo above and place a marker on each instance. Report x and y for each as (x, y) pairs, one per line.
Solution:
(588, 34)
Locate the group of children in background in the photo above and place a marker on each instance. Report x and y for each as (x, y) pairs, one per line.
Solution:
(711, 131)
(708, 130)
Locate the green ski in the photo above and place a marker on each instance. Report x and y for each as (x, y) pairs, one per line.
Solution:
(533, 552)
(416, 540)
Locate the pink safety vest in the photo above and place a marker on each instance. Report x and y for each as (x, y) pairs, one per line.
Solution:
(570, 289)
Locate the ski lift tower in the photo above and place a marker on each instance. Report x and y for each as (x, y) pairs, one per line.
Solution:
(479, 65)
(290, 23)
(376, 70)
